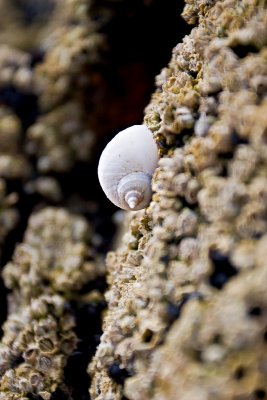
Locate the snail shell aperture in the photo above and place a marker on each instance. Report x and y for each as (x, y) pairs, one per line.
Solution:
(126, 167)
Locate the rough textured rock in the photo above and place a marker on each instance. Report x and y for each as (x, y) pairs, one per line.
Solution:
(187, 301)
(49, 267)
(54, 257)
(36, 343)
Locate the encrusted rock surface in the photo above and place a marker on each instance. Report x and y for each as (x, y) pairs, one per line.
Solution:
(36, 343)
(48, 269)
(54, 257)
(187, 305)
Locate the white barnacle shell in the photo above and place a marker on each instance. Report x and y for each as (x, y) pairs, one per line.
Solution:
(126, 167)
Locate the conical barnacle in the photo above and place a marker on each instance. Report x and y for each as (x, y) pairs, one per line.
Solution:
(126, 167)
(40, 347)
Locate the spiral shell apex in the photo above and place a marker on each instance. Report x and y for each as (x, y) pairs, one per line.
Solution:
(126, 167)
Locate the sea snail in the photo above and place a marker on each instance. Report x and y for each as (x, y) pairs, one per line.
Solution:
(126, 167)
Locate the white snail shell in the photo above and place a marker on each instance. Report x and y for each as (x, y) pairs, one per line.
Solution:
(126, 167)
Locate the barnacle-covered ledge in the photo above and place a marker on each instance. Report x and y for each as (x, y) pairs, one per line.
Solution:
(54, 257)
(48, 269)
(187, 302)
(36, 343)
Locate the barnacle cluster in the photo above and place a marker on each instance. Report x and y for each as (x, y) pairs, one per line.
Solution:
(36, 343)
(48, 269)
(61, 135)
(58, 138)
(55, 256)
(187, 301)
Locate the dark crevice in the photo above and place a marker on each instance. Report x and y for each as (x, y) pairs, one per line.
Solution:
(173, 311)
(135, 28)
(183, 137)
(260, 394)
(3, 304)
(147, 336)
(214, 94)
(98, 284)
(37, 56)
(186, 204)
(255, 311)
(16, 361)
(197, 355)
(236, 139)
(88, 330)
(239, 373)
(244, 50)
(23, 104)
(223, 170)
(217, 339)
(225, 156)
(32, 396)
(165, 259)
(60, 395)
(162, 144)
(118, 374)
(223, 270)
(33, 11)
(193, 74)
